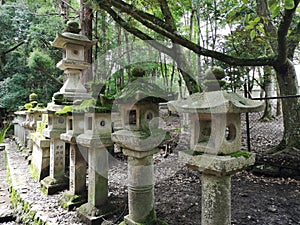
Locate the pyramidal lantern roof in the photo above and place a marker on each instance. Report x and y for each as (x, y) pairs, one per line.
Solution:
(72, 36)
(216, 102)
(141, 90)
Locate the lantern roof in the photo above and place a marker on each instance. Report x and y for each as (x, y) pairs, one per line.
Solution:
(216, 102)
(71, 38)
(141, 90)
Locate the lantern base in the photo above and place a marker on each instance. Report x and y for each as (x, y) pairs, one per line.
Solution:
(92, 215)
(216, 164)
(70, 201)
(50, 186)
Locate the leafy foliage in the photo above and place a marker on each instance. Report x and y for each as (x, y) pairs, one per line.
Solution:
(26, 27)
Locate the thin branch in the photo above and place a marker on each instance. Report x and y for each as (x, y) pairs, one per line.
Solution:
(136, 32)
(283, 33)
(13, 48)
(49, 75)
(176, 38)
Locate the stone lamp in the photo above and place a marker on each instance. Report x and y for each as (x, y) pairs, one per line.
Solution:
(96, 138)
(76, 195)
(72, 63)
(139, 138)
(56, 181)
(40, 162)
(215, 147)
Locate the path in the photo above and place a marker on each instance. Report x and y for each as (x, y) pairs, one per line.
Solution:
(5, 211)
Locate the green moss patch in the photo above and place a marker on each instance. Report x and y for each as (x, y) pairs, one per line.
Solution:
(238, 154)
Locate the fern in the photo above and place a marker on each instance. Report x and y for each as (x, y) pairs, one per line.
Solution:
(3, 132)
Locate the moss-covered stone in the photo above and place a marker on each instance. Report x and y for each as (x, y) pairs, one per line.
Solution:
(67, 110)
(240, 154)
(142, 90)
(33, 97)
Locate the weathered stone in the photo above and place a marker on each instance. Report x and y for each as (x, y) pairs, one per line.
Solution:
(215, 143)
(40, 161)
(139, 138)
(217, 165)
(216, 200)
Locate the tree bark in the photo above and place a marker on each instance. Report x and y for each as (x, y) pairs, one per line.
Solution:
(287, 81)
(86, 21)
(268, 86)
(282, 49)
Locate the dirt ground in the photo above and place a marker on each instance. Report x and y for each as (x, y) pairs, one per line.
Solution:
(258, 200)
(255, 199)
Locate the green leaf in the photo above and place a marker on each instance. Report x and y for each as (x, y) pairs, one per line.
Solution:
(256, 20)
(260, 27)
(252, 34)
(249, 27)
(275, 10)
(289, 4)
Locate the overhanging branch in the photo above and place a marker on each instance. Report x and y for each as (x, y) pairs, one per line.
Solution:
(178, 39)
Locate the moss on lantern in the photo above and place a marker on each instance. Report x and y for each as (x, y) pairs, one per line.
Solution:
(92, 105)
(65, 110)
(140, 89)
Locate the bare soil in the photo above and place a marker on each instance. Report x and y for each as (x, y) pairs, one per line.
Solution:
(255, 199)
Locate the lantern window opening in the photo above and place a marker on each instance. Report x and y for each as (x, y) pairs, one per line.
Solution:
(102, 123)
(149, 116)
(61, 120)
(205, 131)
(50, 120)
(90, 123)
(132, 119)
(230, 132)
(70, 124)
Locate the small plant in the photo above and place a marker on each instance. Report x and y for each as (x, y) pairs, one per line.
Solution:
(3, 132)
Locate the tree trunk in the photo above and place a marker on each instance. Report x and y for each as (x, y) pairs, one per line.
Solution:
(268, 86)
(287, 81)
(86, 21)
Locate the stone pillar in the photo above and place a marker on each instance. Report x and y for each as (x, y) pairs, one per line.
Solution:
(98, 176)
(76, 195)
(216, 200)
(140, 188)
(56, 181)
(77, 171)
(98, 203)
(57, 159)
(40, 162)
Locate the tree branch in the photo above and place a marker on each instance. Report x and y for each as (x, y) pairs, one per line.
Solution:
(136, 31)
(176, 38)
(124, 7)
(293, 41)
(13, 48)
(49, 75)
(283, 33)
(262, 10)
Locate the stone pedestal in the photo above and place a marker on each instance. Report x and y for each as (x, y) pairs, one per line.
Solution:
(97, 204)
(140, 188)
(98, 176)
(40, 161)
(216, 182)
(57, 180)
(76, 195)
(216, 200)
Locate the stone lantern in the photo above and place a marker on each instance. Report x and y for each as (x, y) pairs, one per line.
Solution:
(215, 119)
(56, 181)
(40, 161)
(76, 195)
(96, 138)
(74, 46)
(73, 63)
(139, 139)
